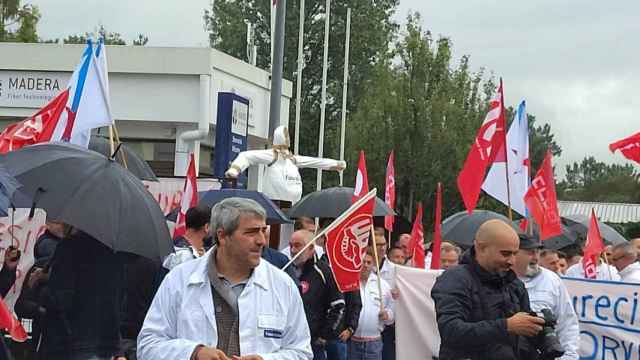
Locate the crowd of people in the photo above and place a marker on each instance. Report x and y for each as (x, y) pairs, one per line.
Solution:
(221, 294)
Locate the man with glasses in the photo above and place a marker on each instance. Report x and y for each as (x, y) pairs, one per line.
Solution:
(624, 258)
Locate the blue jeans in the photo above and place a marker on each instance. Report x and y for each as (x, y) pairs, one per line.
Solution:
(367, 350)
(336, 350)
(319, 352)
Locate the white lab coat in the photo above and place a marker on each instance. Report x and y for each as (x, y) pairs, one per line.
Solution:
(631, 273)
(282, 179)
(182, 315)
(603, 272)
(179, 256)
(547, 291)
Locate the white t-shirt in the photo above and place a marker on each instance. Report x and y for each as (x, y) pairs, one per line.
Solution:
(604, 272)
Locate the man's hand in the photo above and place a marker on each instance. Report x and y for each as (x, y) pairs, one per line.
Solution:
(208, 353)
(383, 315)
(248, 357)
(36, 277)
(11, 257)
(345, 335)
(524, 324)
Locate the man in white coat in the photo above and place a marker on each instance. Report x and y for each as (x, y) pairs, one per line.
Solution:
(228, 304)
(547, 291)
(282, 179)
(625, 259)
(603, 271)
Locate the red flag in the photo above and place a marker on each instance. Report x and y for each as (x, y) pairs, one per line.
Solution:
(541, 200)
(35, 129)
(489, 141)
(11, 324)
(629, 147)
(362, 183)
(390, 191)
(189, 197)
(417, 240)
(592, 249)
(347, 241)
(437, 233)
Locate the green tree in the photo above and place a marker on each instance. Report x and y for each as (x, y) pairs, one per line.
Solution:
(24, 18)
(591, 180)
(142, 40)
(110, 38)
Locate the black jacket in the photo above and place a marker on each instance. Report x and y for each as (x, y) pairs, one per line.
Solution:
(83, 304)
(323, 302)
(353, 306)
(472, 306)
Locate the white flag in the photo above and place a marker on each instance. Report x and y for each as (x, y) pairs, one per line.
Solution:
(495, 184)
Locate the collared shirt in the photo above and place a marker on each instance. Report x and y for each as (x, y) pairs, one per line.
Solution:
(388, 272)
(547, 291)
(631, 273)
(603, 272)
(369, 324)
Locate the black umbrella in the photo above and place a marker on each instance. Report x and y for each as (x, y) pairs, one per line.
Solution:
(461, 227)
(580, 224)
(568, 237)
(212, 197)
(93, 193)
(135, 164)
(330, 203)
(8, 186)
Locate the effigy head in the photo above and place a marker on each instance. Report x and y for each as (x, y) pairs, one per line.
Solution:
(281, 137)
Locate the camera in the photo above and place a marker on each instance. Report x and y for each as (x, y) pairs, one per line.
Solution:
(548, 344)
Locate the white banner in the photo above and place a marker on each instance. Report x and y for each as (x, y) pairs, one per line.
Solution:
(609, 318)
(608, 312)
(417, 335)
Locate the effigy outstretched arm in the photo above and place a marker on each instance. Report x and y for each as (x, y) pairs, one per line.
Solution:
(248, 158)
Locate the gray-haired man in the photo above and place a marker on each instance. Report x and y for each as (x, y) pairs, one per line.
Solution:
(228, 304)
(624, 258)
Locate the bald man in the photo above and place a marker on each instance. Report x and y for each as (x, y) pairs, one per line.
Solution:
(636, 244)
(481, 306)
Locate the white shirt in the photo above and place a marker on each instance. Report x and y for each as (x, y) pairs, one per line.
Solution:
(282, 179)
(603, 272)
(631, 273)
(388, 272)
(547, 291)
(369, 324)
(319, 251)
(181, 255)
(272, 319)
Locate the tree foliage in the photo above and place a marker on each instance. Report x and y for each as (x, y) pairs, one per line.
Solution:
(18, 23)
(591, 180)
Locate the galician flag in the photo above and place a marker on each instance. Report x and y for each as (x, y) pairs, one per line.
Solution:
(88, 105)
(517, 154)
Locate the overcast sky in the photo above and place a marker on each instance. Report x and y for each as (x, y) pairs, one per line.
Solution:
(574, 61)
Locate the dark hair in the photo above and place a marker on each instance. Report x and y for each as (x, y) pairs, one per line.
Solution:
(197, 217)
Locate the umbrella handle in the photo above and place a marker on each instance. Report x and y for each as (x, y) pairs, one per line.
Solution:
(115, 152)
(36, 197)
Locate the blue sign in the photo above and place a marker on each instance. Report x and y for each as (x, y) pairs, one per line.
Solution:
(232, 126)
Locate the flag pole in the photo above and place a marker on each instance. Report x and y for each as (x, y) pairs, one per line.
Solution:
(296, 141)
(323, 100)
(307, 245)
(375, 255)
(506, 153)
(345, 81)
(111, 144)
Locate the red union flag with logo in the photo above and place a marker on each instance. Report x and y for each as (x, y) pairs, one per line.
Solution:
(347, 240)
(541, 200)
(489, 141)
(592, 249)
(390, 191)
(629, 147)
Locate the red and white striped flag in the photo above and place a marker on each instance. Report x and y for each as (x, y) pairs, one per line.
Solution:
(487, 145)
(390, 191)
(189, 197)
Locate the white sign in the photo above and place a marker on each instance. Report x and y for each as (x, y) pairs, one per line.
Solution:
(417, 335)
(609, 317)
(30, 89)
(239, 118)
(608, 313)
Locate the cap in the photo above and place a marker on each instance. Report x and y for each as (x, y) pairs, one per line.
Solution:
(529, 242)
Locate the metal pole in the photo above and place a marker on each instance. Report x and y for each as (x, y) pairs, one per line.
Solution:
(296, 141)
(323, 102)
(345, 80)
(276, 73)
